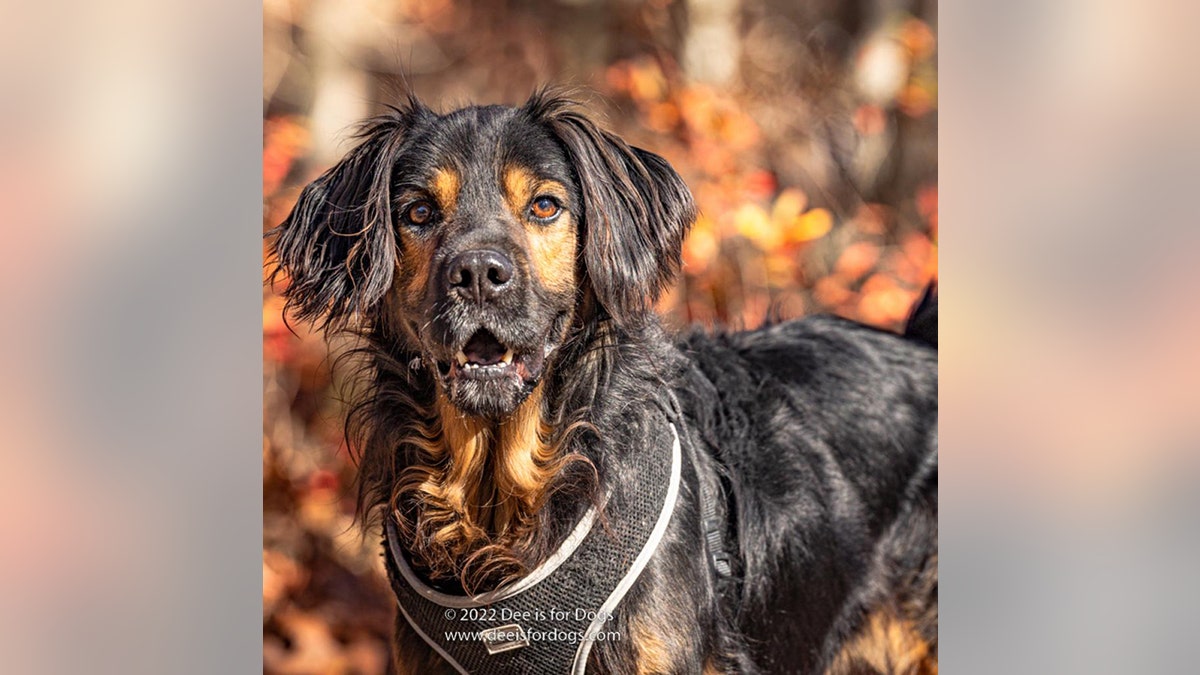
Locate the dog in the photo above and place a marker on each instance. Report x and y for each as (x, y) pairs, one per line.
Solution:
(499, 268)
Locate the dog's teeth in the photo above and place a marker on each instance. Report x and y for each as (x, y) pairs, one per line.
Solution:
(462, 358)
(507, 358)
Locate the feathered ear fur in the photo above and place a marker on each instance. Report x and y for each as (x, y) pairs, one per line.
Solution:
(337, 247)
(637, 210)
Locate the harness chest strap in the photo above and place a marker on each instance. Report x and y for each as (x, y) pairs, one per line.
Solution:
(715, 507)
(548, 621)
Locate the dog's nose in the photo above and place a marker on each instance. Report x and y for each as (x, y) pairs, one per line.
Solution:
(479, 275)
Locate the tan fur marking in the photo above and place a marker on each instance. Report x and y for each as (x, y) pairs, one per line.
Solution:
(412, 270)
(653, 656)
(552, 250)
(519, 184)
(480, 489)
(887, 645)
(551, 247)
(521, 447)
(445, 187)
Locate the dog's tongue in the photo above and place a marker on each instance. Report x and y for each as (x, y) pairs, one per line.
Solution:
(484, 349)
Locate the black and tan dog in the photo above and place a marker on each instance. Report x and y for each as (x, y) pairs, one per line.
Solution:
(500, 265)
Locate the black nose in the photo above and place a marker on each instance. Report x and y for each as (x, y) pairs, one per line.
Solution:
(479, 275)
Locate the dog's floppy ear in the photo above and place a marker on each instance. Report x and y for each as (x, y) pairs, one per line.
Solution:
(637, 210)
(337, 247)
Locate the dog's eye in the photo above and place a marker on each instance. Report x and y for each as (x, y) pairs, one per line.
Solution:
(544, 208)
(419, 213)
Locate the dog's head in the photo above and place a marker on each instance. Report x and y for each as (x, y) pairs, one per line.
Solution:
(477, 239)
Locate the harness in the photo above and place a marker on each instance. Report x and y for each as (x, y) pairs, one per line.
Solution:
(549, 620)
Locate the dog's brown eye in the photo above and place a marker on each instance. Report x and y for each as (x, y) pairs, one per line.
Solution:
(544, 208)
(419, 213)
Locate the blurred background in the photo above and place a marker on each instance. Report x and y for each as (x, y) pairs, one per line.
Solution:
(131, 155)
(807, 132)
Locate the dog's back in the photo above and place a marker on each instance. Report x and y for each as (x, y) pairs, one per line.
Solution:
(827, 432)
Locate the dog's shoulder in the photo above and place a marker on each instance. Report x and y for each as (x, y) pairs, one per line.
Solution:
(864, 397)
(815, 357)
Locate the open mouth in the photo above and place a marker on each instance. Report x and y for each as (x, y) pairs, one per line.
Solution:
(484, 353)
(489, 374)
(485, 358)
(496, 366)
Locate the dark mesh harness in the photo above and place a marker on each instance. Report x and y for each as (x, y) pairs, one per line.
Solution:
(548, 621)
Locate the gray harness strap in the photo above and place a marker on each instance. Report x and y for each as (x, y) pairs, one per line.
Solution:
(548, 621)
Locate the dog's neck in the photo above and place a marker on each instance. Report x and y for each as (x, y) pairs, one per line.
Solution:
(472, 506)
(481, 502)
(496, 469)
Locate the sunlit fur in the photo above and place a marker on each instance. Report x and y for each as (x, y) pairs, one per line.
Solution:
(469, 503)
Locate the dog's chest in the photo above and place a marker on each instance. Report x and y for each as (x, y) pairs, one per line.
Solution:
(548, 621)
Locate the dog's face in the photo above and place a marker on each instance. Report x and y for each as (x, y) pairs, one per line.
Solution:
(487, 277)
(475, 238)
